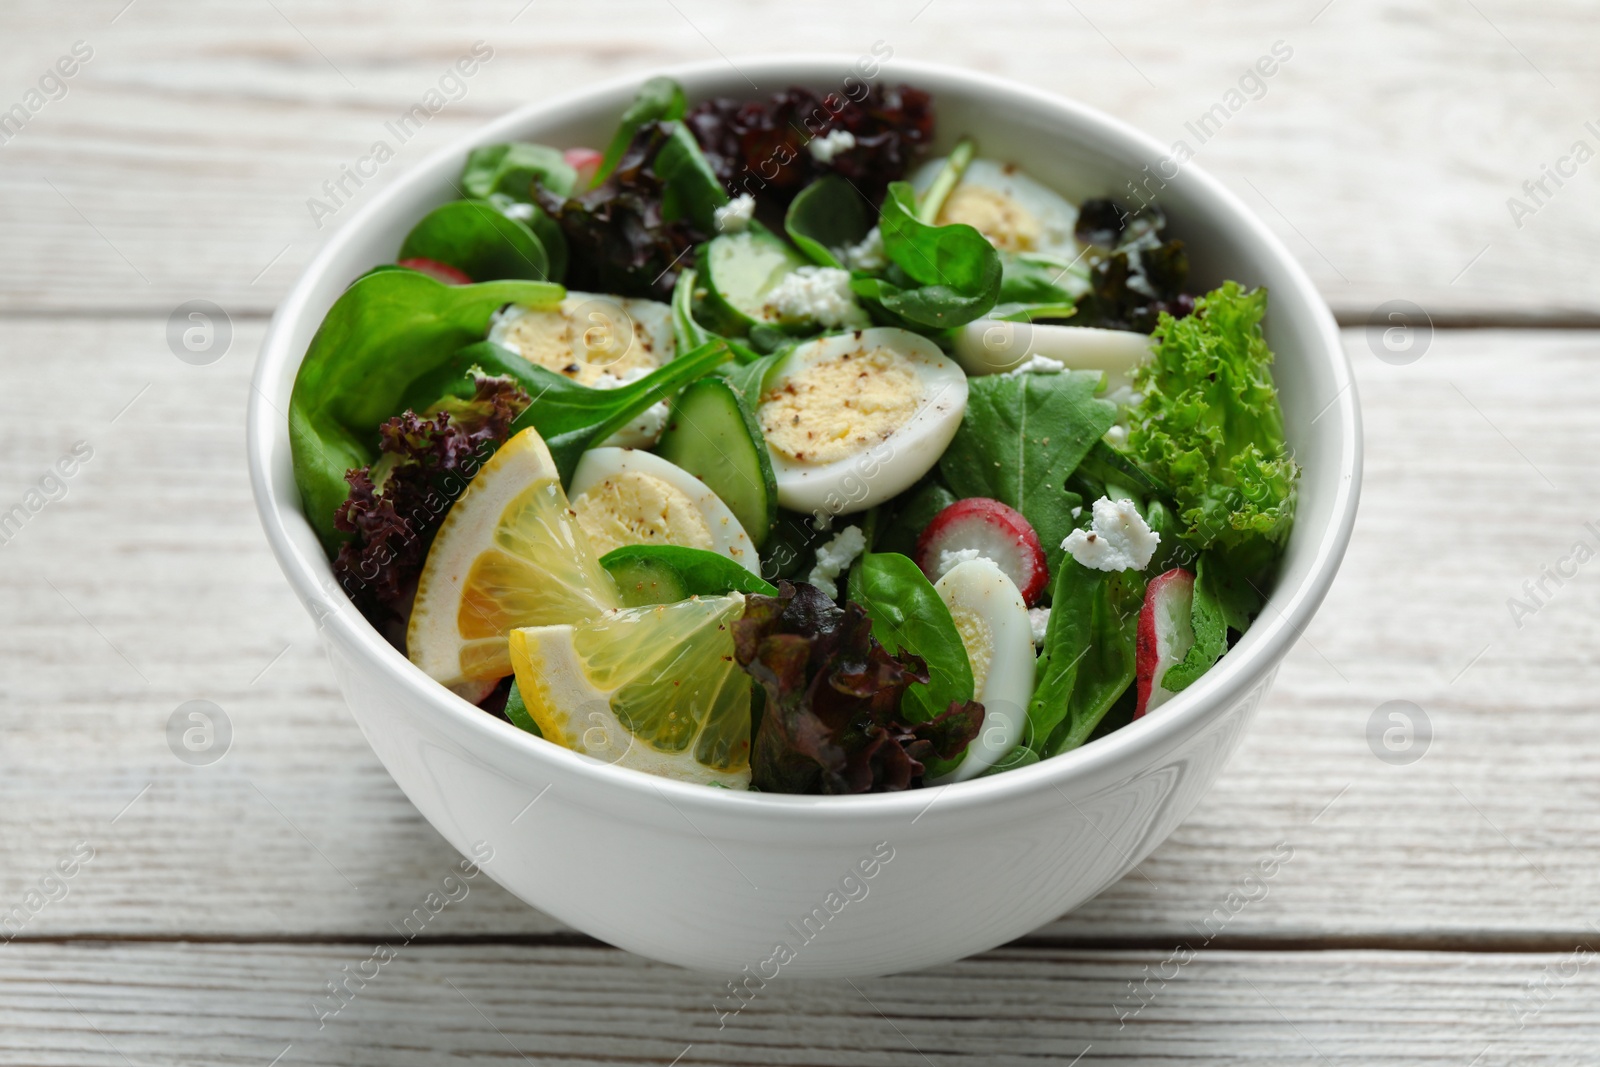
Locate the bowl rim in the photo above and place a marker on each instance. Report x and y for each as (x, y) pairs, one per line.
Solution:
(1244, 666)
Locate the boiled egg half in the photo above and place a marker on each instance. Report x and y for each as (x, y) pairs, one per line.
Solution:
(596, 340)
(997, 346)
(1015, 212)
(622, 496)
(993, 623)
(853, 419)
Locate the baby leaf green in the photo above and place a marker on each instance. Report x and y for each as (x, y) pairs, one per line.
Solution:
(947, 275)
(477, 239)
(513, 169)
(826, 215)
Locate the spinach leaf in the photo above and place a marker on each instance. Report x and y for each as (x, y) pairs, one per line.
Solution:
(1221, 603)
(477, 239)
(827, 214)
(908, 616)
(1020, 439)
(1037, 287)
(385, 331)
(1090, 647)
(657, 99)
(517, 711)
(545, 228)
(946, 276)
(690, 188)
(512, 169)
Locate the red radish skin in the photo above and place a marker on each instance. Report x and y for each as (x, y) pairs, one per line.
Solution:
(439, 272)
(1165, 635)
(998, 532)
(586, 161)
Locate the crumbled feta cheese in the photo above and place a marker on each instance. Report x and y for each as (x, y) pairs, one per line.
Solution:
(1076, 512)
(1039, 621)
(735, 215)
(1037, 365)
(519, 211)
(643, 431)
(824, 148)
(948, 559)
(834, 557)
(1125, 396)
(1118, 540)
(867, 254)
(820, 294)
(1117, 435)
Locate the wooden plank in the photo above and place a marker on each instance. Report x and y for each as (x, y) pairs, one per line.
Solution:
(1384, 150)
(116, 1004)
(149, 585)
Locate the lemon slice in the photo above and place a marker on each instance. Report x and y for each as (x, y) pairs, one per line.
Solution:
(653, 688)
(508, 554)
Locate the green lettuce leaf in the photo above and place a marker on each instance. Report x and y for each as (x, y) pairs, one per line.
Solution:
(1209, 426)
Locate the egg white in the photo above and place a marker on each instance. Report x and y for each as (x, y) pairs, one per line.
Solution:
(880, 470)
(728, 536)
(995, 346)
(979, 586)
(1054, 214)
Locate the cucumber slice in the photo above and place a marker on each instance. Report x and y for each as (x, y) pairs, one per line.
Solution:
(662, 574)
(645, 580)
(712, 434)
(740, 270)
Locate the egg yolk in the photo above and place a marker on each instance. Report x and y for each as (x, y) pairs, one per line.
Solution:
(837, 407)
(978, 640)
(630, 508)
(1008, 225)
(583, 340)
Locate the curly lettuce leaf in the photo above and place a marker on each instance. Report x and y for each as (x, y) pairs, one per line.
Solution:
(397, 504)
(1209, 425)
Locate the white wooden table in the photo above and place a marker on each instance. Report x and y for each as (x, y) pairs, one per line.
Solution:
(1440, 911)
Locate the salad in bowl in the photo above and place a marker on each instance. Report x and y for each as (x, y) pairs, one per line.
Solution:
(764, 449)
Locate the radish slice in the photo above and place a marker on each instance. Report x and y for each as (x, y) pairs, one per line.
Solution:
(586, 161)
(1165, 635)
(440, 272)
(980, 528)
(994, 346)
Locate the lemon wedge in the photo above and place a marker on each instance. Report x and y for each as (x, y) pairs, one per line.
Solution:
(508, 554)
(653, 688)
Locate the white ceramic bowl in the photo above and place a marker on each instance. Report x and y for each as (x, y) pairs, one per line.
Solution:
(718, 880)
